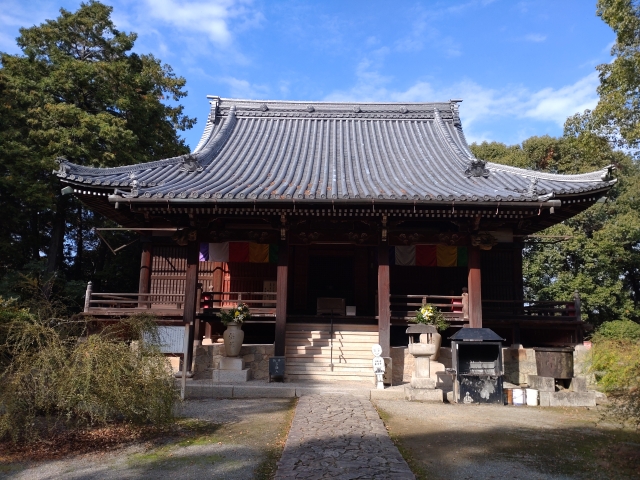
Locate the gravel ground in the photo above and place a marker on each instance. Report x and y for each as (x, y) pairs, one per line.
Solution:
(233, 451)
(443, 441)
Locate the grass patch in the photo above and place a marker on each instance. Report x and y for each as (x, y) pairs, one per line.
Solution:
(415, 466)
(273, 452)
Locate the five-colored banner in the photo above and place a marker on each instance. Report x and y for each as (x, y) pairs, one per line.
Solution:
(410, 255)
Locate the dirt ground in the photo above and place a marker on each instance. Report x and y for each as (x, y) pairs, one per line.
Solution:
(233, 439)
(443, 441)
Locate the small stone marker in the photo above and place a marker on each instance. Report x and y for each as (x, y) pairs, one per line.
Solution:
(378, 366)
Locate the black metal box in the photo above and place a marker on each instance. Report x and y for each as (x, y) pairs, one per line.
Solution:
(476, 355)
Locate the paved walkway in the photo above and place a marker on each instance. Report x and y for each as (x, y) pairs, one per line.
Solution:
(339, 436)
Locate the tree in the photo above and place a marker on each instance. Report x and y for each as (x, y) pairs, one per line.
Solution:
(77, 91)
(601, 259)
(618, 111)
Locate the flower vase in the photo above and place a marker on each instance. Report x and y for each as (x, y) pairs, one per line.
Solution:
(233, 337)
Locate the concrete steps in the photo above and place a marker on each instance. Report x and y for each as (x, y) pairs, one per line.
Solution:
(310, 356)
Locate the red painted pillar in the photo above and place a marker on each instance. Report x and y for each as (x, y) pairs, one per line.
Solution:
(190, 293)
(475, 289)
(281, 298)
(384, 290)
(145, 274)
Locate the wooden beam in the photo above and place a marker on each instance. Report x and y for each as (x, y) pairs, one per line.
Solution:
(190, 294)
(281, 298)
(384, 311)
(145, 273)
(475, 290)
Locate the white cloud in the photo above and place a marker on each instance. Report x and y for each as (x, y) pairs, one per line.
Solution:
(211, 18)
(239, 88)
(535, 37)
(482, 105)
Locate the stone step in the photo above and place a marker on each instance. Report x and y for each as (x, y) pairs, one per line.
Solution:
(315, 349)
(326, 335)
(310, 357)
(326, 361)
(326, 326)
(329, 376)
(336, 370)
(310, 341)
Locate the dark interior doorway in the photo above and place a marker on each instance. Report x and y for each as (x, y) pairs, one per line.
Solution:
(331, 276)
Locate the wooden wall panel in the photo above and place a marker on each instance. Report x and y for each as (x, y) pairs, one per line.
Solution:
(498, 273)
(168, 270)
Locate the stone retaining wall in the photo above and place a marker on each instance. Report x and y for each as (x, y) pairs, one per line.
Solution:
(518, 363)
(256, 359)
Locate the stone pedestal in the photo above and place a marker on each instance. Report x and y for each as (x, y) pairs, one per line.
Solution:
(422, 387)
(231, 370)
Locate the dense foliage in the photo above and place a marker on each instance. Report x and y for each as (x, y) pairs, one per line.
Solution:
(600, 257)
(618, 111)
(53, 373)
(616, 362)
(76, 91)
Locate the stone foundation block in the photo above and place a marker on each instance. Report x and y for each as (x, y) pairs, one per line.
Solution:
(542, 384)
(572, 399)
(449, 397)
(231, 363)
(545, 399)
(423, 395)
(578, 384)
(230, 376)
(423, 382)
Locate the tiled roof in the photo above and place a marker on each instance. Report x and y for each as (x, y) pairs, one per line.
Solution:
(314, 151)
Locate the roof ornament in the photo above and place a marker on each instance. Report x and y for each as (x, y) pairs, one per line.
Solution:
(357, 109)
(310, 109)
(607, 176)
(190, 164)
(264, 107)
(63, 168)
(533, 186)
(404, 110)
(476, 168)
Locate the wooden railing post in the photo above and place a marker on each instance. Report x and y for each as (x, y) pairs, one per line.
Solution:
(281, 298)
(384, 294)
(465, 305)
(87, 297)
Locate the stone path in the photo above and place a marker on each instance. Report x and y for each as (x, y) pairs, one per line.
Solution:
(339, 436)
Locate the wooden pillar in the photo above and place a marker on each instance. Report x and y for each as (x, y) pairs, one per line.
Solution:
(145, 274)
(384, 312)
(281, 298)
(190, 293)
(475, 290)
(518, 293)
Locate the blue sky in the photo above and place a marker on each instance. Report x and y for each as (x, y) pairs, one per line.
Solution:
(521, 67)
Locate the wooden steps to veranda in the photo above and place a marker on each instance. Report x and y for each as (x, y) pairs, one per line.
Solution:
(310, 356)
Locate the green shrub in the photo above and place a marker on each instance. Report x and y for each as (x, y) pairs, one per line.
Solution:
(55, 375)
(619, 330)
(616, 364)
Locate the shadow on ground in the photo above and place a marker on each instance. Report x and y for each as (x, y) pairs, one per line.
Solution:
(459, 442)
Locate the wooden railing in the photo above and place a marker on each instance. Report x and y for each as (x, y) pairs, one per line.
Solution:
(260, 303)
(530, 310)
(455, 308)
